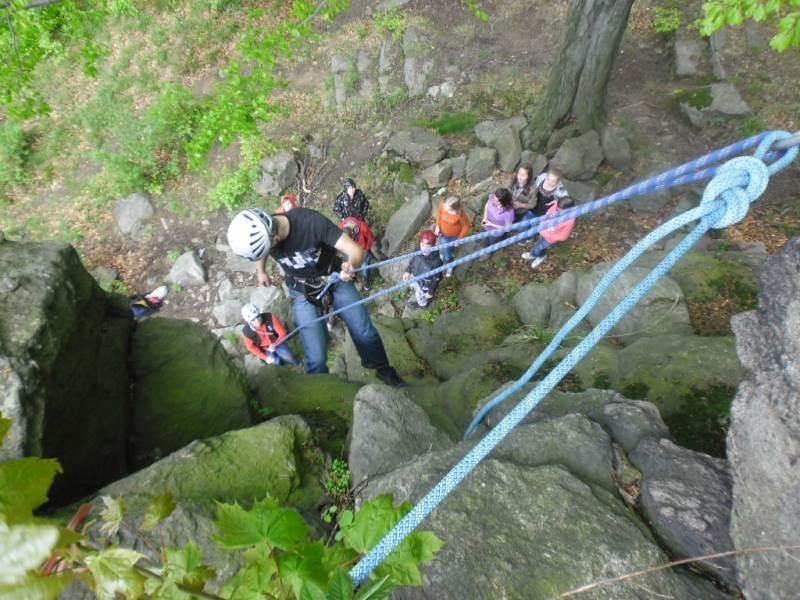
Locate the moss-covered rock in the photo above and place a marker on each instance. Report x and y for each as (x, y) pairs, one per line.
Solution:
(691, 379)
(454, 336)
(400, 354)
(324, 401)
(185, 388)
(703, 276)
(63, 366)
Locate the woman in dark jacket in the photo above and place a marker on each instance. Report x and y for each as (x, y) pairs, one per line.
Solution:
(351, 202)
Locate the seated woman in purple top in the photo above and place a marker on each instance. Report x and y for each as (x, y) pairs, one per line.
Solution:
(498, 212)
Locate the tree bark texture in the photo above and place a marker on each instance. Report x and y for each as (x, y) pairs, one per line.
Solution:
(576, 91)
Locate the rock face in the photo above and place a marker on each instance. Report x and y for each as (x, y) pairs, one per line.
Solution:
(132, 212)
(185, 388)
(277, 173)
(578, 158)
(480, 164)
(686, 497)
(538, 517)
(276, 458)
(405, 223)
(418, 146)
(764, 436)
(187, 270)
(63, 366)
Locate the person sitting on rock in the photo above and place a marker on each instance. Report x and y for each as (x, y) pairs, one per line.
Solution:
(304, 243)
(362, 235)
(351, 202)
(497, 213)
(261, 331)
(551, 235)
(452, 223)
(420, 264)
(548, 189)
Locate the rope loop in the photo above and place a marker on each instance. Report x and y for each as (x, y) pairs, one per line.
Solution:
(738, 182)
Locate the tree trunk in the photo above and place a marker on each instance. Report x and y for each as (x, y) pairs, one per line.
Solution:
(578, 82)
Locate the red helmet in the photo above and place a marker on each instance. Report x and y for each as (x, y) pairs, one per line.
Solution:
(288, 202)
(428, 237)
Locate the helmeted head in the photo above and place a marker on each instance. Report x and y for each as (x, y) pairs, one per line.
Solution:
(427, 240)
(250, 312)
(249, 233)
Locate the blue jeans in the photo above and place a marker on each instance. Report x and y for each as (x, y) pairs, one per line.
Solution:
(446, 253)
(540, 248)
(314, 337)
(283, 354)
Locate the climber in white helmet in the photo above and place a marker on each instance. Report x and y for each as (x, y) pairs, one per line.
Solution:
(305, 244)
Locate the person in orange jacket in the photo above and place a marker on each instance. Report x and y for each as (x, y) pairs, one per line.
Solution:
(261, 331)
(452, 223)
(551, 235)
(361, 234)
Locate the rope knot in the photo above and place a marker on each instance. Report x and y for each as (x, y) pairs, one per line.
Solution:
(738, 183)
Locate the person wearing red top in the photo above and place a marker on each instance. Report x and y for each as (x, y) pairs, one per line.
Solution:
(551, 235)
(452, 223)
(261, 331)
(361, 234)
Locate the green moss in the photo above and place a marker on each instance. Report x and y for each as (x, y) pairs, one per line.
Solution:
(406, 173)
(702, 423)
(696, 97)
(324, 401)
(446, 123)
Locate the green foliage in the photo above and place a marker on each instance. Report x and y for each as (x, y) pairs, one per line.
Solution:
(785, 13)
(13, 152)
(173, 255)
(751, 126)
(667, 20)
(338, 482)
(392, 22)
(695, 97)
(476, 10)
(28, 37)
(271, 542)
(457, 122)
(149, 149)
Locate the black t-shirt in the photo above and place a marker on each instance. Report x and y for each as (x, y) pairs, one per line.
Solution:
(308, 250)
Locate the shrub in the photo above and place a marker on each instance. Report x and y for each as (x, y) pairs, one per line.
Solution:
(666, 20)
(13, 151)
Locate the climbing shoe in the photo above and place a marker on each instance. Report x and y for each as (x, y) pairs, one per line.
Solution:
(390, 377)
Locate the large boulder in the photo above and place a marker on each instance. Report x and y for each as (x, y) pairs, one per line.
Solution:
(418, 62)
(388, 431)
(324, 401)
(686, 498)
(480, 164)
(418, 146)
(187, 270)
(276, 459)
(616, 149)
(63, 366)
(185, 388)
(662, 311)
(400, 354)
(439, 174)
(764, 436)
(579, 157)
(132, 212)
(727, 102)
(488, 131)
(277, 174)
(542, 532)
(509, 149)
(405, 223)
(690, 378)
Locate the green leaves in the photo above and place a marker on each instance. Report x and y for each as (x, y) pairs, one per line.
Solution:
(375, 518)
(158, 510)
(114, 573)
(111, 515)
(5, 425)
(282, 528)
(23, 486)
(721, 13)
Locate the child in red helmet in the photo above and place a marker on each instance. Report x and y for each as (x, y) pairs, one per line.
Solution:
(425, 288)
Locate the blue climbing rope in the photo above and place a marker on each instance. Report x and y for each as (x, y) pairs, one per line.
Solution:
(725, 201)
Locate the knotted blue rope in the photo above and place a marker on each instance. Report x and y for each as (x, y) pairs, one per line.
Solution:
(722, 203)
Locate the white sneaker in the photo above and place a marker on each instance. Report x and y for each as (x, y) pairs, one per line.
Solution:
(448, 273)
(537, 262)
(159, 293)
(527, 256)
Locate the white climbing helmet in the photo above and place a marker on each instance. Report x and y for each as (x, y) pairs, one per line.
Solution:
(249, 233)
(250, 312)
